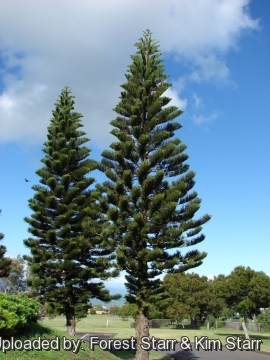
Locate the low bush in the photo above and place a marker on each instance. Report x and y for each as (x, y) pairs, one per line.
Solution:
(17, 312)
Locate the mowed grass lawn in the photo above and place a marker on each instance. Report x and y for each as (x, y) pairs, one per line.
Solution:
(64, 347)
(120, 329)
(55, 336)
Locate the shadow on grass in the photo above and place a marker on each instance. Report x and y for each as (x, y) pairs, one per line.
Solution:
(32, 330)
(180, 354)
(183, 355)
(130, 355)
(187, 327)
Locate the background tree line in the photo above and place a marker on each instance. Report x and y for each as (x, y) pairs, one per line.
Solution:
(189, 296)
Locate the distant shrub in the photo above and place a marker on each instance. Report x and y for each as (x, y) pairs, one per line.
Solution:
(114, 310)
(264, 319)
(127, 311)
(46, 310)
(265, 328)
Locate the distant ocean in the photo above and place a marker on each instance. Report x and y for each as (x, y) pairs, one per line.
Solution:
(117, 303)
(113, 290)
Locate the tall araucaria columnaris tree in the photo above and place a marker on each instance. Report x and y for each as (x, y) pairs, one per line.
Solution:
(147, 198)
(67, 261)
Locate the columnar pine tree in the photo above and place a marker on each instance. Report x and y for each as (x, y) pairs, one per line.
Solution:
(67, 262)
(4, 261)
(151, 217)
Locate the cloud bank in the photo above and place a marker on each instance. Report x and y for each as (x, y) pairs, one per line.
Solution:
(86, 45)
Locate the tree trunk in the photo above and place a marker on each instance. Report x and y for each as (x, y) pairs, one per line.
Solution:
(70, 324)
(142, 329)
(245, 330)
(192, 323)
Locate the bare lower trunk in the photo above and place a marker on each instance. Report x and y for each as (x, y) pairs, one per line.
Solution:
(192, 323)
(142, 329)
(245, 330)
(70, 324)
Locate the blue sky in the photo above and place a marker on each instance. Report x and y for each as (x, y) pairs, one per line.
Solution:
(217, 54)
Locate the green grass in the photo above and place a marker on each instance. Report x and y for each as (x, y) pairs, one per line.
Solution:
(46, 333)
(92, 321)
(120, 329)
(55, 329)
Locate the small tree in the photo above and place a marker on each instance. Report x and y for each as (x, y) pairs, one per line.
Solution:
(14, 283)
(114, 310)
(4, 261)
(150, 217)
(69, 257)
(190, 296)
(128, 310)
(247, 291)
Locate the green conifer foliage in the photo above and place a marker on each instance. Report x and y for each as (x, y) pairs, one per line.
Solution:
(4, 261)
(147, 197)
(68, 254)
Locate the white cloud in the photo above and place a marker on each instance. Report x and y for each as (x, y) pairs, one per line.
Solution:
(197, 101)
(86, 45)
(210, 68)
(120, 280)
(176, 100)
(200, 119)
(179, 84)
(210, 277)
(21, 114)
